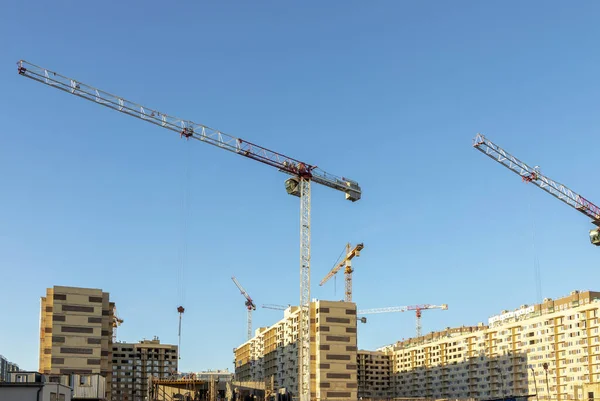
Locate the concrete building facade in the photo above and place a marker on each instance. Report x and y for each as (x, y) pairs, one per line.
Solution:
(551, 349)
(272, 354)
(76, 332)
(134, 363)
(32, 386)
(6, 368)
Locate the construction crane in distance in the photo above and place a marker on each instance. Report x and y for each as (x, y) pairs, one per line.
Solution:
(276, 307)
(346, 263)
(302, 174)
(250, 306)
(534, 176)
(417, 308)
(117, 321)
(180, 310)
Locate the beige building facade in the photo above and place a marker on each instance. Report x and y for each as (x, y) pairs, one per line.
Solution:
(76, 332)
(134, 363)
(551, 349)
(272, 354)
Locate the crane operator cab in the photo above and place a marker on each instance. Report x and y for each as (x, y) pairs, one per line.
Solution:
(595, 236)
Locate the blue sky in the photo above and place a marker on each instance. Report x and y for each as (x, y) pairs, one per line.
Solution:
(388, 93)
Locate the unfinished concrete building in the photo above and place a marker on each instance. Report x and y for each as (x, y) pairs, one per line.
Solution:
(374, 375)
(272, 354)
(134, 363)
(75, 332)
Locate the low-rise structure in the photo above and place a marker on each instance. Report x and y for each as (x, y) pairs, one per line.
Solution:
(218, 375)
(32, 386)
(85, 387)
(6, 367)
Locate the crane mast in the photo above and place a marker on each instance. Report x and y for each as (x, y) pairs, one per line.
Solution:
(346, 263)
(417, 308)
(298, 185)
(534, 176)
(250, 306)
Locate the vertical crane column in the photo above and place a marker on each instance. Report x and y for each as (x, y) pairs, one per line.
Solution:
(304, 346)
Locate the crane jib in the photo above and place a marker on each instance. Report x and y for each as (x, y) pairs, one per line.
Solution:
(534, 176)
(190, 129)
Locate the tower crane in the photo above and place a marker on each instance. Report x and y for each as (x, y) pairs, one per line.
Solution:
(250, 306)
(417, 308)
(180, 310)
(534, 176)
(346, 263)
(299, 184)
(276, 307)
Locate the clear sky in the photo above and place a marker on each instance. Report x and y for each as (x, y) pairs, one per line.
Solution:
(388, 93)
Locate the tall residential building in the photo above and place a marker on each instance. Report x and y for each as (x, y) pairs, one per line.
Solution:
(272, 354)
(133, 363)
(551, 349)
(76, 332)
(6, 368)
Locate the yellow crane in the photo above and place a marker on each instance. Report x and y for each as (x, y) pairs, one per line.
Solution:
(346, 263)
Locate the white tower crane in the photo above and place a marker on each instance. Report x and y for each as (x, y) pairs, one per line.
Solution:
(298, 185)
(416, 308)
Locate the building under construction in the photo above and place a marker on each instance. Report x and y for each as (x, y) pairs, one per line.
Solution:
(135, 363)
(271, 356)
(550, 349)
(76, 332)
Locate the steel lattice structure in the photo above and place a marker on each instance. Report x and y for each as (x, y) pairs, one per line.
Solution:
(250, 306)
(299, 185)
(304, 346)
(534, 176)
(416, 308)
(347, 264)
(276, 307)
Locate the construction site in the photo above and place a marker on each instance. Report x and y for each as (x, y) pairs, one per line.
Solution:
(547, 351)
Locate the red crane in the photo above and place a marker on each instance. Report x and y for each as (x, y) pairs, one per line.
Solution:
(534, 176)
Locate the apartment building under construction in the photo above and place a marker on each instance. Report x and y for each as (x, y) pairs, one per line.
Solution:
(76, 332)
(374, 375)
(272, 354)
(551, 349)
(134, 363)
